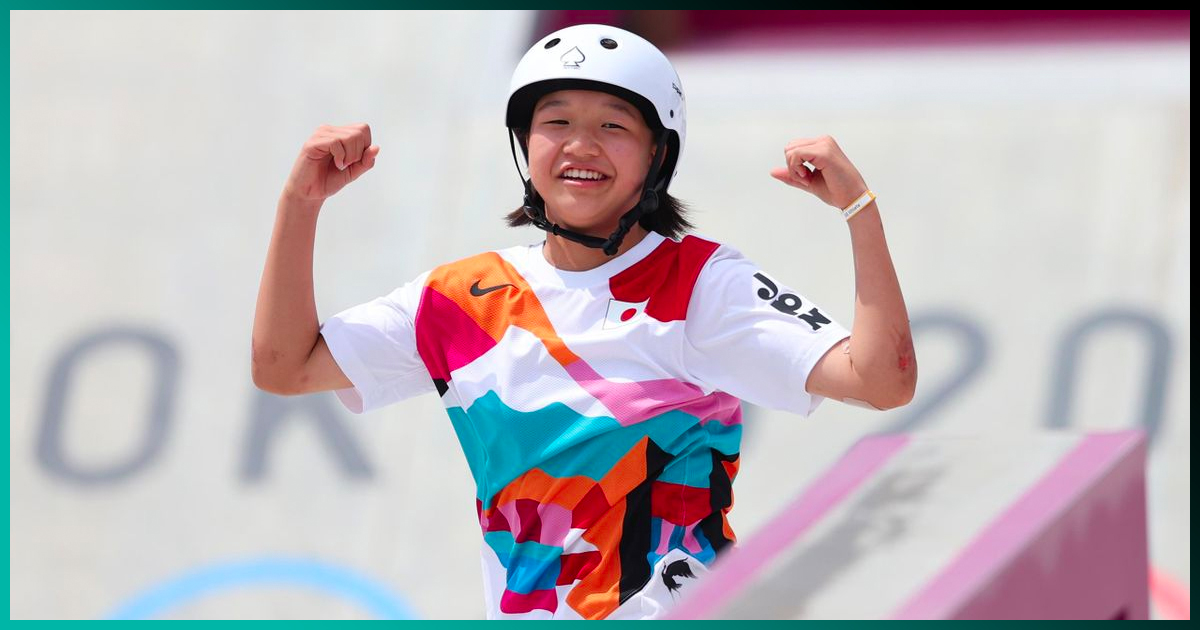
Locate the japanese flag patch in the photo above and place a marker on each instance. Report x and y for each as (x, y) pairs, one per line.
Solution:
(623, 313)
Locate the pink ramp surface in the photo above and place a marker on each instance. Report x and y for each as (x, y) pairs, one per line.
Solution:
(1073, 547)
(736, 571)
(1045, 525)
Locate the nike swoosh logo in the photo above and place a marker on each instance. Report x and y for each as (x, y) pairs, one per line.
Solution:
(476, 291)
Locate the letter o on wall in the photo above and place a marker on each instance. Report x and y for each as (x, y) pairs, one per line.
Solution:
(165, 361)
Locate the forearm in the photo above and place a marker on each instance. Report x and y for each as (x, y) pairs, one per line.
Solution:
(881, 348)
(285, 317)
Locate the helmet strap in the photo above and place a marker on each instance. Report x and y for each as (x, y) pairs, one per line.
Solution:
(535, 208)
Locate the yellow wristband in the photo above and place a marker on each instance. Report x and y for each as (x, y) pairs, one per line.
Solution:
(858, 204)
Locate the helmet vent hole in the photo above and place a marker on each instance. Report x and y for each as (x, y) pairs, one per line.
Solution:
(552, 43)
(608, 43)
(672, 113)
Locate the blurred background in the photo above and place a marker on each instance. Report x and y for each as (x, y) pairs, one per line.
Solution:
(1032, 171)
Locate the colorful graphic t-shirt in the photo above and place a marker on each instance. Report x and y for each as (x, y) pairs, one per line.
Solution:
(598, 410)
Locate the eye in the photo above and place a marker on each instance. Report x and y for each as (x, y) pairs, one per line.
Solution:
(612, 126)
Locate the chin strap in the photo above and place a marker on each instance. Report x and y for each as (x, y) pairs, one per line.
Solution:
(535, 207)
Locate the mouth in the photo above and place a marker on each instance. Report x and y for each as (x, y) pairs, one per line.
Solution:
(582, 177)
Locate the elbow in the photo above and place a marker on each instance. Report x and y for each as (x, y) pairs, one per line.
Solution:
(902, 383)
(906, 390)
(898, 393)
(881, 403)
(267, 381)
(269, 378)
(277, 385)
(898, 400)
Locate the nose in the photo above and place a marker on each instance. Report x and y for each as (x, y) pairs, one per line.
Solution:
(581, 143)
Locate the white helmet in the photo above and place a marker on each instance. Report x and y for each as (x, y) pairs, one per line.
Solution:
(606, 59)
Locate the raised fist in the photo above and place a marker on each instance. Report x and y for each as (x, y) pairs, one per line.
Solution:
(331, 158)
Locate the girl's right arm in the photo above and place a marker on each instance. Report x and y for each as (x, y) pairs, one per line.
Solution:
(288, 355)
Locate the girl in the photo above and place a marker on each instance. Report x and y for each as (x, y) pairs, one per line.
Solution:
(593, 379)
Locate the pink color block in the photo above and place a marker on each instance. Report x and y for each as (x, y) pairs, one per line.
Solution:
(631, 403)
(689, 539)
(664, 537)
(517, 603)
(554, 522)
(444, 329)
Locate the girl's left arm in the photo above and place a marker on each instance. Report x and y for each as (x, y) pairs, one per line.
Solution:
(876, 366)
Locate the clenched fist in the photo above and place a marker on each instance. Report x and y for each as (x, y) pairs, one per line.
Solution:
(331, 158)
(833, 178)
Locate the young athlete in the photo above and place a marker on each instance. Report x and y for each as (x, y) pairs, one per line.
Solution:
(593, 379)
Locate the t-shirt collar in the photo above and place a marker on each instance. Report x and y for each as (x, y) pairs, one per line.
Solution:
(599, 275)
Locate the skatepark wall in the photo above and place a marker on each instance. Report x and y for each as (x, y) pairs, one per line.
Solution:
(1035, 197)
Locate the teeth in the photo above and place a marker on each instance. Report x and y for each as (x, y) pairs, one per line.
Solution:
(577, 173)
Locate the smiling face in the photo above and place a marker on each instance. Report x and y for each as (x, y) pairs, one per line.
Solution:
(588, 157)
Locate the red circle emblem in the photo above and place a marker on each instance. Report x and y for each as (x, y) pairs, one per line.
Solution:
(628, 314)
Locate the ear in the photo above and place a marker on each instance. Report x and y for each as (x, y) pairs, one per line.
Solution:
(653, 151)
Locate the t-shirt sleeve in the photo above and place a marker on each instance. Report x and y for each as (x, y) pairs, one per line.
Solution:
(751, 336)
(375, 345)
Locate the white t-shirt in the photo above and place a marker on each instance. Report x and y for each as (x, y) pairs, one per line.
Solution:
(598, 410)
